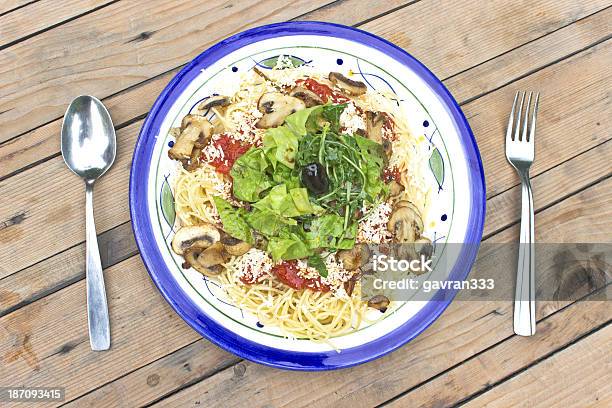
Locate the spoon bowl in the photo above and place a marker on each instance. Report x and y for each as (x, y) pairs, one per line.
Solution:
(89, 146)
(88, 138)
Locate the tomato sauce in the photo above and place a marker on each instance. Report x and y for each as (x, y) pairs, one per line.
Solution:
(287, 272)
(232, 150)
(323, 91)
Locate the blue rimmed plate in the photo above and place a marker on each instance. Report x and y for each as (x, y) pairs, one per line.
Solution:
(453, 166)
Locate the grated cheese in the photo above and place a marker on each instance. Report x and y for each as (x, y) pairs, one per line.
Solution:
(373, 229)
(253, 265)
(351, 120)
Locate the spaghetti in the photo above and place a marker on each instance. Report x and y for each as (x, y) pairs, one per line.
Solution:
(260, 222)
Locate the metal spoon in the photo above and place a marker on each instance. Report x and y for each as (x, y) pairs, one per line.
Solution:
(88, 147)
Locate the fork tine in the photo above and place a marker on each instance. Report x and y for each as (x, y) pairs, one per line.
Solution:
(525, 122)
(517, 131)
(511, 120)
(534, 114)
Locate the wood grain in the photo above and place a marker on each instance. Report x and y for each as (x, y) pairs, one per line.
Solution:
(8, 5)
(42, 15)
(508, 357)
(578, 376)
(110, 49)
(59, 205)
(473, 324)
(63, 269)
(551, 186)
(43, 142)
(103, 64)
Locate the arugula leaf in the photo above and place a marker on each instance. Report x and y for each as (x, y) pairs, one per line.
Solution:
(250, 176)
(332, 114)
(233, 220)
(280, 145)
(317, 262)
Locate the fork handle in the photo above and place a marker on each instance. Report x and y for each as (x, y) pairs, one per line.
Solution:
(524, 298)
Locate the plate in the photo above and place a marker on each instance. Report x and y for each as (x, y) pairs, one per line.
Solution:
(454, 166)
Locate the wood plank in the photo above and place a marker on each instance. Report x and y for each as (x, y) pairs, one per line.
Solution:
(105, 64)
(42, 15)
(8, 5)
(550, 186)
(562, 102)
(578, 376)
(64, 269)
(116, 47)
(508, 357)
(463, 330)
(43, 142)
(349, 12)
(147, 330)
(587, 118)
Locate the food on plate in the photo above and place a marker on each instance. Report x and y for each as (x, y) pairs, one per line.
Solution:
(282, 184)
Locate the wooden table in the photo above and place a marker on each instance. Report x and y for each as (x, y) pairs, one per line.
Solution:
(125, 52)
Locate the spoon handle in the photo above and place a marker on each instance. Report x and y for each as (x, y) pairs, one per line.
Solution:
(97, 308)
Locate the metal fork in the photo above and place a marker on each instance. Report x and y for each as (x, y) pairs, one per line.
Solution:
(520, 153)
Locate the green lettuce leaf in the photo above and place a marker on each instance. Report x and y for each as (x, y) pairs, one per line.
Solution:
(280, 145)
(233, 220)
(284, 175)
(292, 203)
(288, 245)
(296, 122)
(267, 222)
(250, 176)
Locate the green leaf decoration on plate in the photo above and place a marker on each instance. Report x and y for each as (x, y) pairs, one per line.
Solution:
(271, 62)
(167, 204)
(436, 164)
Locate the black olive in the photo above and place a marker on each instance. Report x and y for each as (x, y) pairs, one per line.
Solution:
(315, 178)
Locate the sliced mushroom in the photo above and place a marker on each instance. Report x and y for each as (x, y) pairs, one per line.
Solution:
(374, 130)
(307, 96)
(275, 107)
(395, 188)
(234, 246)
(379, 302)
(214, 102)
(354, 88)
(405, 222)
(194, 129)
(355, 257)
(196, 236)
(423, 246)
(211, 259)
(349, 286)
